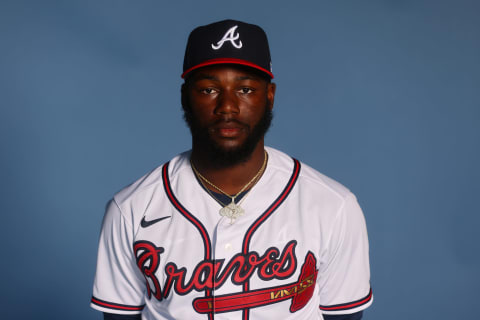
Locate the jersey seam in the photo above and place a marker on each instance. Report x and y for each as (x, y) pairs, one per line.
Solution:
(148, 180)
(325, 185)
(337, 216)
(130, 225)
(138, 191)
(319, 181)
(121, 213)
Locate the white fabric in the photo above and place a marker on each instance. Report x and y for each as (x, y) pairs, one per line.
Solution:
(321, 215)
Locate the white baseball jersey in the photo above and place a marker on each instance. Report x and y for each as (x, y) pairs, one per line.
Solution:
(299, 251)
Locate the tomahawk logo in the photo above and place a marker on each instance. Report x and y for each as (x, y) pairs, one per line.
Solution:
(229, 36)
(209, 274)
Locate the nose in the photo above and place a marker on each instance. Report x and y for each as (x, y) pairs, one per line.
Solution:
(227, 103)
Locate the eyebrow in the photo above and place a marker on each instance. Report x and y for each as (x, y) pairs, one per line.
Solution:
(204, 76)
(247, 78)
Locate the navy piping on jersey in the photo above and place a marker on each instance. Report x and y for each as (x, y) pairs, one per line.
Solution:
(246, 242)
(116, 306)
(349, 305)
(264, 216)
(184, 212)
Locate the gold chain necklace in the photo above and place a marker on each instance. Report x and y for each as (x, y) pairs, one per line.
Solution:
(232, 210)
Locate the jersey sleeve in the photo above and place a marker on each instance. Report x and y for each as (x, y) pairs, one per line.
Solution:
(344, 278)
(119, 286)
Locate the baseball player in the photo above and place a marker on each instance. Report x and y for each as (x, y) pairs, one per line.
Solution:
(232, 229)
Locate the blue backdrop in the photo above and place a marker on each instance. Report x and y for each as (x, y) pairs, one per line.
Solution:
(380, 95)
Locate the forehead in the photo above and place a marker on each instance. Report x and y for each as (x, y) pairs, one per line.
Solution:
(226, 72)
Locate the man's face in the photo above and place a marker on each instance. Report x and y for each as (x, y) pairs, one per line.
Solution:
(229, 110)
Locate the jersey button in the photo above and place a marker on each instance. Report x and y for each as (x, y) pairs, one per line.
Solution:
(228, 247)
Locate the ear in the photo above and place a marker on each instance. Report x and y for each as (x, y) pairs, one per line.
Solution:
(271, 87)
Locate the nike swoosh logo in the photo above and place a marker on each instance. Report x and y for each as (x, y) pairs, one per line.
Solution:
(144, 223)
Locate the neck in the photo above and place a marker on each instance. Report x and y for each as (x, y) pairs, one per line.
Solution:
(231, 179)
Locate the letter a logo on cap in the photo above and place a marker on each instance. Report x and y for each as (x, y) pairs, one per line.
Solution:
(229, 36)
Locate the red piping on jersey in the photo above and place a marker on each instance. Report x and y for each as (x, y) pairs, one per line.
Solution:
(116, 306)
(203, 232)
(264, 216)
(350, 305)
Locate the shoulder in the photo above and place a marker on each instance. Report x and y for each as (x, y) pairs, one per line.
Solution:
(309, 179)
(152, 179)
(135, 198)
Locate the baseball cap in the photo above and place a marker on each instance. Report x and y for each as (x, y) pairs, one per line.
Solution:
(227, 41)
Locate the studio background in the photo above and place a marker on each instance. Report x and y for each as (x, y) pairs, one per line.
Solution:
(382, 96)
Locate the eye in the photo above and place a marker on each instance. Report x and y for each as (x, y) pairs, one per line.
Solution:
(246, 90)
(208, 90)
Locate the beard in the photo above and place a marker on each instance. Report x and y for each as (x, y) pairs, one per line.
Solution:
(220, 156)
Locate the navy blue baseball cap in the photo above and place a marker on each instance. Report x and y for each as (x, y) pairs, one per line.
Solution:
(228, 41)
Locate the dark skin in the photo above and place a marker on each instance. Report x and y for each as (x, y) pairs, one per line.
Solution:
(228, 101)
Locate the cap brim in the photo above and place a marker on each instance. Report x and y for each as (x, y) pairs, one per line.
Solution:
(227, 61)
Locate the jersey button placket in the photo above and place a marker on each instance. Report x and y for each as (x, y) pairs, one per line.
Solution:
(225, 249)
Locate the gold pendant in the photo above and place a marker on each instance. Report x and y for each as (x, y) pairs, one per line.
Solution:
(232, 211)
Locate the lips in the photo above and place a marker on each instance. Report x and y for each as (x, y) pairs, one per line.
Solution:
(227, 129)
(229, 132)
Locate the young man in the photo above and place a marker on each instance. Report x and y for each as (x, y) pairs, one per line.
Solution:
(232, 229)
